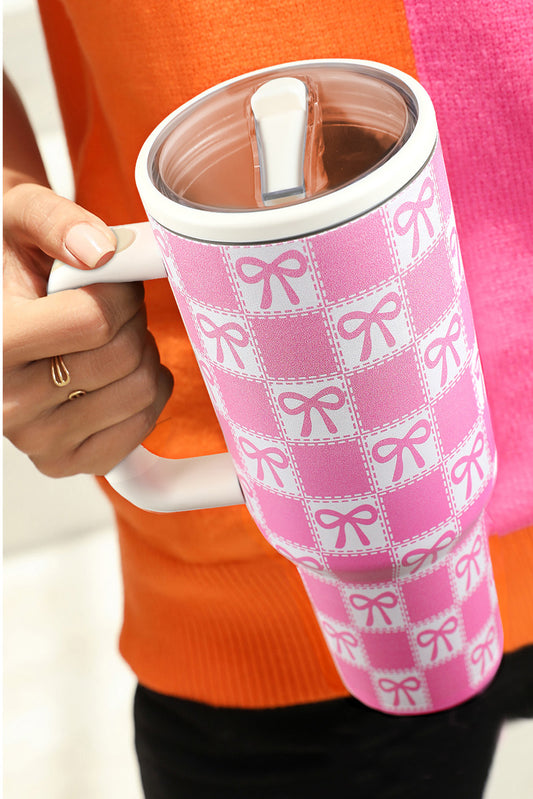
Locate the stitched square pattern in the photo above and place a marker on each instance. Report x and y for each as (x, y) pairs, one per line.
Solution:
(285, 516)
(326, 598)
(388, 391)
(361, 568)
(417, 507)
(344, 369)
(283, 343)
(247, 402)
(203, 273)
(331, 470)
(443, 679)
(353, 261)
(371, 328)
(413, 218)
(273, 278)
(388, 650)
(476, 609)
(430, 288)
(456, 412)
(225, 340)
(428, 595)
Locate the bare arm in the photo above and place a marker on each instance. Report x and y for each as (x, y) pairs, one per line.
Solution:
(22, 159)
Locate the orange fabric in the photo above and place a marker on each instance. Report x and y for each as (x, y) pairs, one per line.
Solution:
(512, 561)
(211, 612)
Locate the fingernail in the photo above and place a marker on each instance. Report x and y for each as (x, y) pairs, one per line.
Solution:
(89, 244)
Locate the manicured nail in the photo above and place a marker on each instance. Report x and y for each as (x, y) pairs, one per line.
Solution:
(89, 244)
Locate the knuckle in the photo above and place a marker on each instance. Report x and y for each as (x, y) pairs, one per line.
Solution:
(147, 419)
(146, 386)
(144, 381)
(98, 320)
(126, 351)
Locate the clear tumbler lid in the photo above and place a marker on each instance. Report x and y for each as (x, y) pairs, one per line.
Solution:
(204, 171)
(214, 158)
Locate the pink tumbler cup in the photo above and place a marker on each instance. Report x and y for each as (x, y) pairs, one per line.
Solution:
(306, 228)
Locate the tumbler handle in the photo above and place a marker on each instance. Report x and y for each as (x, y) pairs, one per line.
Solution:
(152, 483)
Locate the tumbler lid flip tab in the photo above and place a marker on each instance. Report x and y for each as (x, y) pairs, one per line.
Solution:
(279, 108)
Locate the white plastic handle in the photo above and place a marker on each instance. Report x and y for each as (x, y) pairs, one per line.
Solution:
(161, 485)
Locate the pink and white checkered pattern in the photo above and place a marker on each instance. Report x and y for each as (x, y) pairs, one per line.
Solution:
(344, 370)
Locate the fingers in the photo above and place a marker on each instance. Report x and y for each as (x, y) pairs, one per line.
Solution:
(37, 217)
(70, 321)
(32, 386)
(93, 433)
(100, 330)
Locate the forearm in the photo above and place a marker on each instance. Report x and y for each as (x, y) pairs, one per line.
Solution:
(22, 159)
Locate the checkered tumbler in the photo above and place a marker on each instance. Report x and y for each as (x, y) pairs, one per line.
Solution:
(345, 374)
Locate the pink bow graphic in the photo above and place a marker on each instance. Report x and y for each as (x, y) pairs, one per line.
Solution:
(465, 564)
(377, 316)
(410, 684)
(342, 639)
(274, 459)
(309, 563)
(330, 519)
(432, 637)
(441, 346)
(463, 467)
(415, 210)
(418, 434)
(266, 271)
(382, 602)
(317, 402)
(230, 332)
(484, 650)
(418, 557)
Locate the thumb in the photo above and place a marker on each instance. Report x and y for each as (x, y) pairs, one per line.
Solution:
(36, 217)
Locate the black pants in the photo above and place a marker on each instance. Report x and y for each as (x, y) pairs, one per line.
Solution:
(188, 750)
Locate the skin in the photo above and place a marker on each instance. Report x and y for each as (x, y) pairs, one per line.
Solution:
(100, 331)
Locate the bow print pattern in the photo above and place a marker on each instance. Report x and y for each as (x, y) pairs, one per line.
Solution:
(390, 448)
(413, 211)
(363, 514)
(467, 562)
(377, 316)
(309, 563)
(262, 271)
(382, 602)
(417, 557)
(432, 637)
(344, 640)
(230, 332)
(317, 402)
(484, 651)
(406, 687)
(272, 457)
(463, 468)
(438, 349)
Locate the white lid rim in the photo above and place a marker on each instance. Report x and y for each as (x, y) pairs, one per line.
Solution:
(311, 216)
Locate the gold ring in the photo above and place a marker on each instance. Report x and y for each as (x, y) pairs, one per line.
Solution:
(60, 373)
(76, 394)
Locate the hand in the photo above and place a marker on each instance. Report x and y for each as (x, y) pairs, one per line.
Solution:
(99, 331)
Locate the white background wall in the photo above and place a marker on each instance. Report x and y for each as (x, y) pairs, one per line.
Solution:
(67, 729)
